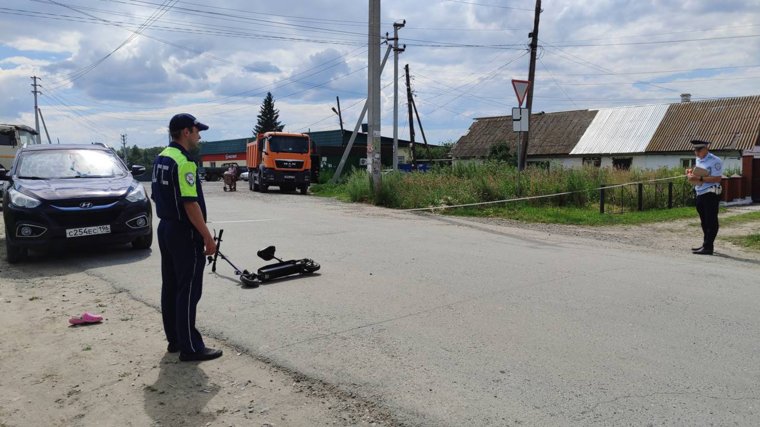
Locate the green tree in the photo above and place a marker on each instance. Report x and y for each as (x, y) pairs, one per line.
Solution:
(500, 152)
(441, 151)
(268, 118)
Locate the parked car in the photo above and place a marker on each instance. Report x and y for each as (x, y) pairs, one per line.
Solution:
(62, 195)
(244, 176)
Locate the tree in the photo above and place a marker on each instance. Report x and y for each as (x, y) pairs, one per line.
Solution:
(500, 152)
(268, 118)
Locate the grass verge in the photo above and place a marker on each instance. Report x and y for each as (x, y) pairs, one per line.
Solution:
(740, 219)
(751, 241)
(575, 216)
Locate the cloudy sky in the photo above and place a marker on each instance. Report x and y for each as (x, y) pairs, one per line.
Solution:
(113, 67)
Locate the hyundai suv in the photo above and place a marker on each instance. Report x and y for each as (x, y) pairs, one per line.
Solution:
(63, 195)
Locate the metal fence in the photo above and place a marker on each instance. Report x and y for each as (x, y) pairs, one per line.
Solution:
(646, 195)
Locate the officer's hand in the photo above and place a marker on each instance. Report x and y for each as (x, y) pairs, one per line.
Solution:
(210, 245)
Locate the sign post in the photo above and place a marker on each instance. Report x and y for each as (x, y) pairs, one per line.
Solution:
(520, 116)
(521, 89)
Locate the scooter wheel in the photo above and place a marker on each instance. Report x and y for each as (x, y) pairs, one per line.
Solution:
(249, 280)
(308, 266)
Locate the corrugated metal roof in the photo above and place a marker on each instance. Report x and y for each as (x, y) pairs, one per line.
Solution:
(728, 123)
(550, 134)
(621, 130)
(226, 146)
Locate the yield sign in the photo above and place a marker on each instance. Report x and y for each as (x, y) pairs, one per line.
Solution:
(521, 88)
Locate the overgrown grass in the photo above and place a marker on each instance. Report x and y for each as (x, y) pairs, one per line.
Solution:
(465, 183)
(741, 218)
(576, 216)
(751, 241)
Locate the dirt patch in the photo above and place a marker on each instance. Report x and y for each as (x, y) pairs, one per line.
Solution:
(118, 373)
(672, 237)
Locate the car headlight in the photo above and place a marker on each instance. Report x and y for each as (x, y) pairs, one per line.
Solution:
(137, 194)
(22, 200)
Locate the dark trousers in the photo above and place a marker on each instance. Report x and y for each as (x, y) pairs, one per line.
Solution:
(182, 263)
(707, 207)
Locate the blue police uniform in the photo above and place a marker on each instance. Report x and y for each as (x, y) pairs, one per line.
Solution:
(175, 181)
(708, 200)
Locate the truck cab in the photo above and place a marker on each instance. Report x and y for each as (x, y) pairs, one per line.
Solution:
(279, 159)
(13, 137)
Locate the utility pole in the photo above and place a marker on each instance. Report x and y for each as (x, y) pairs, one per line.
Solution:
(359, 122)
(411, 116)
(396, 51)
(523, 153)
(44, 125)
(340, 118)
(36, 108)
(124, 147)
(373, 96)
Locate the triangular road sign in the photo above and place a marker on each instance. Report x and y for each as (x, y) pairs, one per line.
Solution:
(521, 89)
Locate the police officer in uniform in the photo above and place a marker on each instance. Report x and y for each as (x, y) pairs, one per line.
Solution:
(708, 191)
(183, 238)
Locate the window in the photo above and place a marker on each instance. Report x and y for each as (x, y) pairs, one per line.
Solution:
(592, 161)
(688, 163)
(622, 163)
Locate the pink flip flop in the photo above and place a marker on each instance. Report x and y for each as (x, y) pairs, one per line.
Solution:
(86, 318)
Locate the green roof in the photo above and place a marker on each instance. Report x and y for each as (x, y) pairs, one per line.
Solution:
(331, 138)
(224, 146)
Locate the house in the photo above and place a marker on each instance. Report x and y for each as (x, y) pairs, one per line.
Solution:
(644, 137)
(552, 136)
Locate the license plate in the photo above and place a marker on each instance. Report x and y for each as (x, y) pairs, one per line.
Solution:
(290, 177)
(88, 231)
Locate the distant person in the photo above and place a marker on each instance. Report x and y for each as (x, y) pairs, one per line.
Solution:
(230, 178)
(706, 177)
(183, 238)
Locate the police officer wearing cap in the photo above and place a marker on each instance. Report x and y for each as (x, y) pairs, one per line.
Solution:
(183, 238)
(708, 189)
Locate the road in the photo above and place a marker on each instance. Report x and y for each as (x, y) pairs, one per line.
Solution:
(448, 322)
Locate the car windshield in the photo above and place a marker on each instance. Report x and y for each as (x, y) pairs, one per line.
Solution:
(69, 163)
(289, 144)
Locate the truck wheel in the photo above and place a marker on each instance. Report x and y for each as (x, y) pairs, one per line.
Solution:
(303, 189)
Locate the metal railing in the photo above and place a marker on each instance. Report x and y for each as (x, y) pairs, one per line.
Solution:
(641, 196)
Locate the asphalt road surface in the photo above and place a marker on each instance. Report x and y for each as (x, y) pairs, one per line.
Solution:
(448, 322)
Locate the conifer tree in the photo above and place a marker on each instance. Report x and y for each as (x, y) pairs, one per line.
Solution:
(268, 118)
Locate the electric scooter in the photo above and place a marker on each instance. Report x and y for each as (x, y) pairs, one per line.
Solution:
(268, 272)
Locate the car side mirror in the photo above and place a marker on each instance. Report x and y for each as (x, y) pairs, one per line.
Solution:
(138, 170)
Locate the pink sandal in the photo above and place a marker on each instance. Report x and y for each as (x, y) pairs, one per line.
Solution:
(86, 318)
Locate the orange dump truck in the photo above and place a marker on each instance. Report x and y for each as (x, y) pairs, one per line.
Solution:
(279, 159)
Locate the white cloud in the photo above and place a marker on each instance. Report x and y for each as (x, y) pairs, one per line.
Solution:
(193, 58)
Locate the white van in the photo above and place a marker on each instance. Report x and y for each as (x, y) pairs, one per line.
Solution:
(13, 137)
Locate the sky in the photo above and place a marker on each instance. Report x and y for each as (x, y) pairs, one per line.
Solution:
(109, 68)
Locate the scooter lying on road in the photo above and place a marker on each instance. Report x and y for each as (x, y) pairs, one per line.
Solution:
(268, 272)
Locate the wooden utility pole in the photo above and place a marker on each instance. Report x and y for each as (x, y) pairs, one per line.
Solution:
(523, 152)
(411, 113)
(396, 51)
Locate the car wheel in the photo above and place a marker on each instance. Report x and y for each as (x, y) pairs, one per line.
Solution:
(13, 253)
(143, 242)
